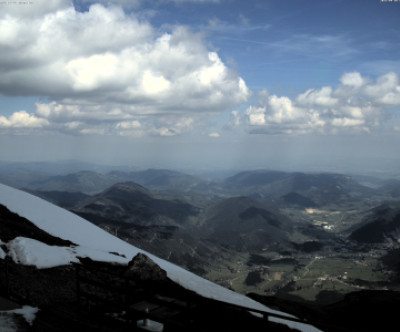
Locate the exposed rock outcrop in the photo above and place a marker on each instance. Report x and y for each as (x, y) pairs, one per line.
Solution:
(142, 268)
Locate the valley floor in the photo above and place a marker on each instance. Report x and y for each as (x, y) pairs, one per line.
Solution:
(321, 279)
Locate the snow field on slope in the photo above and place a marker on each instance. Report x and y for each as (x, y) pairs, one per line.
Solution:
(97, 244)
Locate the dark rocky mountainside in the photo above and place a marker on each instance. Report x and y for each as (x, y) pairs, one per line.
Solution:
(296, 199)
(97, 296)
(382, 224)
(63, 199)
(243, 223)
(391, 188)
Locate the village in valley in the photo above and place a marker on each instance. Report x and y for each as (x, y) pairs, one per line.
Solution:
(340, 267)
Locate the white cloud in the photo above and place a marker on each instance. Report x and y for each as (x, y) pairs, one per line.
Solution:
(154, 84)
(279, 115)
(169, 126)
(164, 131)
(386, 90)
(106, 65)
(355, 106)
(173, 126)
(353, 79)
(347, 122)
(256, 115)
(65, 112)
(74, 125)
(93, 131)
(214, 135)
(283, 110)
(22, 119)
(322, 97)
(128, 125)
(90, 73)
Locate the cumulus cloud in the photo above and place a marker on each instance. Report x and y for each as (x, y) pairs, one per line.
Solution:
(128, 125)
(170, 126)
(22, 119)
(386, 91)
(106, 65)
(353, 79)
(256, 115)
(356, 105)
(109, 72)
(322, 97)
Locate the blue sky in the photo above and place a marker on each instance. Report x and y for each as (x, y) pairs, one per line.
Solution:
(299, 84)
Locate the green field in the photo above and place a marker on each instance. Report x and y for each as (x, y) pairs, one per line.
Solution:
(307, 277)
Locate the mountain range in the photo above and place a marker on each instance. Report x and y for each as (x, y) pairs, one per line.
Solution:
(186, 234)
(132, 203)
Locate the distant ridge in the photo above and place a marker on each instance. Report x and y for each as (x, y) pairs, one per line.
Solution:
(130, 202)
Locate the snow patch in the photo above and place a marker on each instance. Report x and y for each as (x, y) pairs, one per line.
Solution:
(32, 252)
(150, 325)
(293, 325)
(2, 252)
(28, 312)
(27, 251)
(7, 323)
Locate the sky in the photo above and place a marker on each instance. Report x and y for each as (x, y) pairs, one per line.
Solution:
(207, 84)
